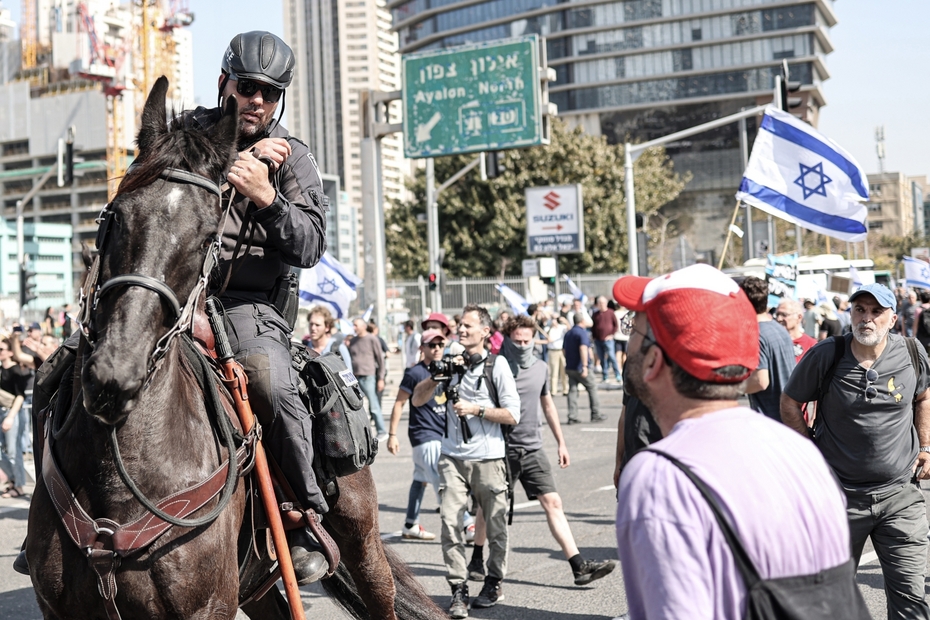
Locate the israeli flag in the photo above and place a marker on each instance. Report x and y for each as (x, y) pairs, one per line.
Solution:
(517, 302)
(855, 277)
(800, 175)
(916, 272)
(330, 284)
(576, 292)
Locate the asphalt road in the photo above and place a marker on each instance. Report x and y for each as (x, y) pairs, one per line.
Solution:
(539, 581)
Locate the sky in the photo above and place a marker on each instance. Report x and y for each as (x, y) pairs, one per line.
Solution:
(879, 71)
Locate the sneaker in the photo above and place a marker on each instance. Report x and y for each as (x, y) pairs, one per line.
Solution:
(476, 570)
(593, 570)
(491, 594)
(459, 606)
(598, 418)
(416, 533)
(470, 533)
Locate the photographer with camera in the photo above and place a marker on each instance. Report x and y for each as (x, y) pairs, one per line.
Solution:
(473, 459)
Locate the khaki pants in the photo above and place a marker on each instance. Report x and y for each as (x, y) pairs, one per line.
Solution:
(557, 374)
(487, 480)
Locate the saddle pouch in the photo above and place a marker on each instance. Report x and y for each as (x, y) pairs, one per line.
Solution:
(342, 435)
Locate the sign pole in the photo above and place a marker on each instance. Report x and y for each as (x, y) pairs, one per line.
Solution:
(629, 190)
(432, 234)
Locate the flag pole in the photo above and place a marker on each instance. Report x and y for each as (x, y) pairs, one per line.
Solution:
(726, 243)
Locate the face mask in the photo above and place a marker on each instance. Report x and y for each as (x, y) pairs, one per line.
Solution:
(522, 356)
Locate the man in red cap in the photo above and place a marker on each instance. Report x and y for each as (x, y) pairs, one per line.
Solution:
(436, 320)
(694, 340)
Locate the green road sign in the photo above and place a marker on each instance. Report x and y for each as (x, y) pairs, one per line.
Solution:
(483, 97)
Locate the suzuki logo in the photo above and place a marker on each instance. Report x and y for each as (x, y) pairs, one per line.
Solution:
(551, 201)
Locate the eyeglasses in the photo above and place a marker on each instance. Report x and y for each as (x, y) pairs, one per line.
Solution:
(248, 88)
(626, 323)
(871, 377)
(436, 345)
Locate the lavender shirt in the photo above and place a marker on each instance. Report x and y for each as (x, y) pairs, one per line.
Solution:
(780, 495)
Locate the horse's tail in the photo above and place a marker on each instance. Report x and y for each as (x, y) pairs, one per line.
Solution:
(411, 602)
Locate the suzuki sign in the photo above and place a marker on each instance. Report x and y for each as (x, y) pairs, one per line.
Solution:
(554, 220)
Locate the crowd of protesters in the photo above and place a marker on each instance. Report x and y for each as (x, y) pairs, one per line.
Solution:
(23, 348)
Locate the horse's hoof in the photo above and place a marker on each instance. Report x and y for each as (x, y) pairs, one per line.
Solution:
(309, 566)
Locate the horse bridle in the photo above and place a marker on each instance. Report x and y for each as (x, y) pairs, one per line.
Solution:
(93, 291)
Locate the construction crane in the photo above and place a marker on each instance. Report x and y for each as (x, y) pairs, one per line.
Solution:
(29, 35)
(105, 67)
(157, 51)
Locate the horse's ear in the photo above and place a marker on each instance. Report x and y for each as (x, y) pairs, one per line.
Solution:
(226, 132)
(154, 120)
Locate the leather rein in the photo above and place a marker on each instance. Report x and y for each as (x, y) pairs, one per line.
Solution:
(104, 541)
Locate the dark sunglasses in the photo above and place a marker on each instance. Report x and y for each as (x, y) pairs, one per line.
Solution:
(871, 377)
(248, 88)
(434, 345)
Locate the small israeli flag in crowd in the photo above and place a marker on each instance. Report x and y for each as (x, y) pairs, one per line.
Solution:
(855, 277)
(916, 272)
(577, 293)
(800, 175)
(517, 302)
(328, 283)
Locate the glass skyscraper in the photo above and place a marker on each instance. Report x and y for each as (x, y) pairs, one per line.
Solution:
(642, 69)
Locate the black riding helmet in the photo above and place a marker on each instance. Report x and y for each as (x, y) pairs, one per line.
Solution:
(262, 56)
(259, 55)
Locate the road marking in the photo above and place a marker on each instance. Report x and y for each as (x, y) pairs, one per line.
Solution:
(4, 509)
(598, 430)
(608, 487)
(868, 558)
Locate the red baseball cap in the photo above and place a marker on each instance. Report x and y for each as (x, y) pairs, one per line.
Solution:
(431, 335)
(436, 316)
(700, 317)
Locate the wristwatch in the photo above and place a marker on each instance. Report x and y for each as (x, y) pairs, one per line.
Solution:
(481, 411)
(925, 448)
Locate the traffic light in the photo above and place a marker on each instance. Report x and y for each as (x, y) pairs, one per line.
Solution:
(68, 175)
(787, 87)
(27, 286)
(493, 164)
(433, 281)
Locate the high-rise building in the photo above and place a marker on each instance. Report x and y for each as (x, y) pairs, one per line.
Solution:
(891, 204)
(64, 90)
(343, 47)
(642, 69)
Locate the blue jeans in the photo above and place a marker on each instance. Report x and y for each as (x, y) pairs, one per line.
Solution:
(608, 355)
(369, 383)
(14, 445)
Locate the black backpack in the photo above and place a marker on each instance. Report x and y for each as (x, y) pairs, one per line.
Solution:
(923, 328)
(828, 595)
(343, 441)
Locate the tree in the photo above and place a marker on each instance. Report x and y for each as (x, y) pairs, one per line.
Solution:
(482, 225)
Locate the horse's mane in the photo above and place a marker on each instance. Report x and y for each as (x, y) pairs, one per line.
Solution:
(184, 146)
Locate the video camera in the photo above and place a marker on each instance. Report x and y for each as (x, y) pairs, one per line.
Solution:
(443, 370)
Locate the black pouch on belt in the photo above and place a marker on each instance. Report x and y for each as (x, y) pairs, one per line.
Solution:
(285, 297)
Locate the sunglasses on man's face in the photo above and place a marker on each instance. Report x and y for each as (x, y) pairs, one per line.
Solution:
(248, 88)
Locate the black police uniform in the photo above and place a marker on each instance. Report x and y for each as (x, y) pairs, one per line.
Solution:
(289, 232)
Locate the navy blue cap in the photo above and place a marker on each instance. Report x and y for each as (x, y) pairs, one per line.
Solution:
(880, 292)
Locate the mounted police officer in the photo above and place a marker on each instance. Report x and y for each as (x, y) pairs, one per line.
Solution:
(276, 222)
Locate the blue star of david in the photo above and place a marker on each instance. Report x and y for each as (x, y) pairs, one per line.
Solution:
(925, 273)
(817, 171)
(328, 287)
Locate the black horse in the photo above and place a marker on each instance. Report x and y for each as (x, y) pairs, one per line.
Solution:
(135, 387)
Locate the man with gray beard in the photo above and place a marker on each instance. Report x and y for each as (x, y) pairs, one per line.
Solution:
(874, 431)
